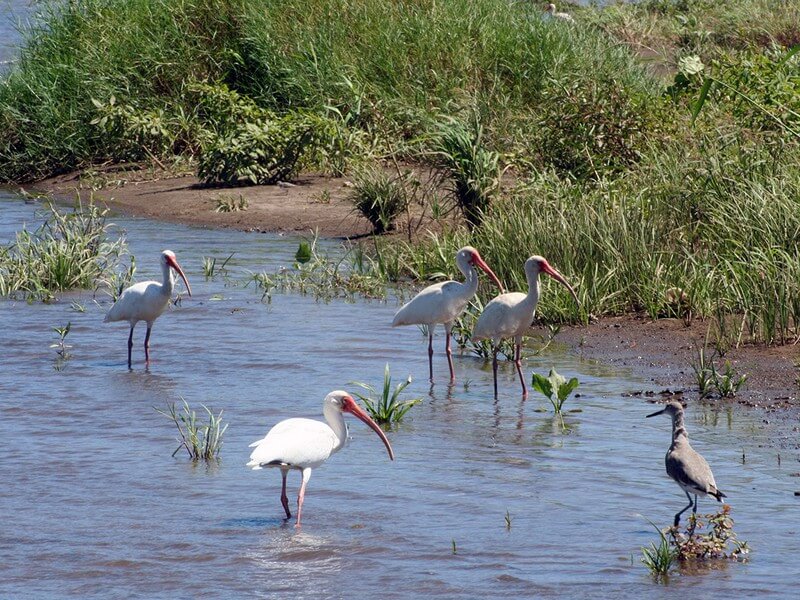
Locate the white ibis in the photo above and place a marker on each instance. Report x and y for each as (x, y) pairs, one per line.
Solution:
(145, 301)
(684, 465)
(510, 315)
(444, 302)
(304, 444)
(551, 9)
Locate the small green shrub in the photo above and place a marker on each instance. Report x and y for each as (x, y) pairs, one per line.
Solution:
(473, 169)
(262, 152)
(380, 197)
(231, 204)
(725, 383)
(386, 407)
(200, 441)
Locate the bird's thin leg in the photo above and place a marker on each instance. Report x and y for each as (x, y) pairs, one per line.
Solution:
(518, 363)
(284, 497)
(688, 506)
(430, 351)
(147, 344)
(130, 345)
(694, 512)
(494, 368)
(448, 329)
(301, 495)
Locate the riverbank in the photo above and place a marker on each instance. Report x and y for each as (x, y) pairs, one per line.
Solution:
(663, 350)
(311, 203)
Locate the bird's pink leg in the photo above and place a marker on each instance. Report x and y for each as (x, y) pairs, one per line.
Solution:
(130, 345)
(450, 355)
(284, 497)
(147, 344)
(494, 368)
(301, 495)
(430, 350)
(518, 363)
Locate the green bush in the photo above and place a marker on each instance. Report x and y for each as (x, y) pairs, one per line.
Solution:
(380, 197)
(262, 152)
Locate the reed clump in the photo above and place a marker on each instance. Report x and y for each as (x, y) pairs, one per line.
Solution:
(70, 250)
(202, 441)
(385, 405)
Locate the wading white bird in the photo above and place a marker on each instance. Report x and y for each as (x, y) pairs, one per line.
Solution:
(145, 301)
(510, 315)
(304, 444)
(551, 9)
(684, 465)
(444, 302)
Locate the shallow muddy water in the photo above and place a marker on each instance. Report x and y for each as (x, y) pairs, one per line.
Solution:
(93, 505)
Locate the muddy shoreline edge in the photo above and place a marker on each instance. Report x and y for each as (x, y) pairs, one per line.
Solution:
(660, 351)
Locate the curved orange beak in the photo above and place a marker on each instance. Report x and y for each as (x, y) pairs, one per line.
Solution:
(174, 264)
(478, 262)
(560, 278)
(354, 409)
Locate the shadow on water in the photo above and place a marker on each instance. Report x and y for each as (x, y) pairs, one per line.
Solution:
(90, 484)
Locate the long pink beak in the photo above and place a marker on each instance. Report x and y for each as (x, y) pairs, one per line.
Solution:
(354, 409)
(560, 278)
(479, 262)
(174, 264)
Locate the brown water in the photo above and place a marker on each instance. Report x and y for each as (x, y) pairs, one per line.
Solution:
(93, 505)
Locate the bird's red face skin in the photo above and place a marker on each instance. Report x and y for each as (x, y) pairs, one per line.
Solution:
(174, 264)
(545, 267)
(351, 406)
(477, 261)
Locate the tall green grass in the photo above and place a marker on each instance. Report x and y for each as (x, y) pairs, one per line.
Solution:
(71, 250)
(720, 224)
(390, 70)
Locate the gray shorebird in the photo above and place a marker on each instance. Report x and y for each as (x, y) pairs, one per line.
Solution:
(684, 465)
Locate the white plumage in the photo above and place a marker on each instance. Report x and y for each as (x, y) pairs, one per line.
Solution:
(444, 302)
(304, 444)
(509, 315)
(551, 9)
(145, 301)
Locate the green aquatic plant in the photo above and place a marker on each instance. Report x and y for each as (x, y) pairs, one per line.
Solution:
(303, 254)
(659, 557)
(62, 348)
(555, 388)
(201, 441)
(508, 520)
(710, 380)
(71, 250)
(385, 406)
(210, 265)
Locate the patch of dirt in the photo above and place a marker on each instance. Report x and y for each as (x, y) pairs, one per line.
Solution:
(664, 351)
(310, 203)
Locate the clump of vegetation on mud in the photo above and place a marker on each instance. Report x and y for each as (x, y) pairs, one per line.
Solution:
(71, 250)
(705, 538)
